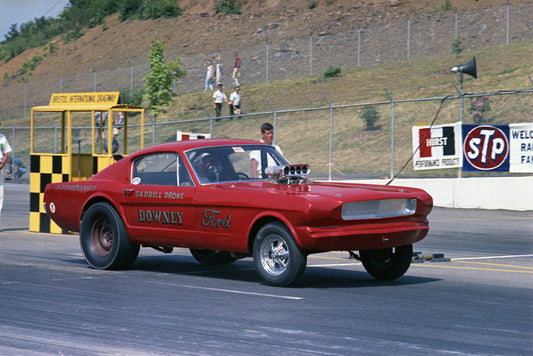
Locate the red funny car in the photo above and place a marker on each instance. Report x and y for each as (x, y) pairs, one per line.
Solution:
(205, 196)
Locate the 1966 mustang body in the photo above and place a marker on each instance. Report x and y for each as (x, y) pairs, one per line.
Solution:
(204, 195)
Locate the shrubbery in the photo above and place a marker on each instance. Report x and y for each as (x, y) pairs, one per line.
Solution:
(332, 72)
(370, 116)
(228, 7)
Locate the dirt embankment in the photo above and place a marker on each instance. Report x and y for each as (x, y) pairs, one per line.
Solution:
(111, 49)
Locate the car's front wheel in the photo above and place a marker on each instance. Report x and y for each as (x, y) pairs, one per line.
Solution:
(212, 257)
(104, 240)
(278, 259)
(389, 263)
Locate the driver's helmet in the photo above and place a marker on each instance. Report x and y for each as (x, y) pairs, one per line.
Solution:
(209, 169)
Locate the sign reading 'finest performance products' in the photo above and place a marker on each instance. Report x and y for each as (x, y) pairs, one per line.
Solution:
(438, 146)
(504, 148)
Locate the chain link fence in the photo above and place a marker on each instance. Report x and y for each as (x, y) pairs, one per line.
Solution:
(341, 144)
(267, 59)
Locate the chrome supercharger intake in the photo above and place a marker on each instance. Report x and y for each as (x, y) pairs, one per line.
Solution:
(289, 174)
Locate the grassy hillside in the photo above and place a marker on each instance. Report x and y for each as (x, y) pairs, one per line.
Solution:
(304, 135)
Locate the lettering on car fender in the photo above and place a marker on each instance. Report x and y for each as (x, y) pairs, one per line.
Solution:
(209, 219)
(157, 195)
(160, 217)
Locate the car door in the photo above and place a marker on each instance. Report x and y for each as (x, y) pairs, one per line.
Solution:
(159, 201)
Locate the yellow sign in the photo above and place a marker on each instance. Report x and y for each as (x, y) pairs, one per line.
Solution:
(82, 99)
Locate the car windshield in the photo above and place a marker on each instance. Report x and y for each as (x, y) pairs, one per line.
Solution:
(233, 163)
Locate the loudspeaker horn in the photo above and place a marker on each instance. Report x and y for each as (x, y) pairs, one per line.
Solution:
(467, 68)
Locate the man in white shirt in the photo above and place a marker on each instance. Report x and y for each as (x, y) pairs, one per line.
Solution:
(235, 102)
(5, 149)
(218, 98)
(267, 136)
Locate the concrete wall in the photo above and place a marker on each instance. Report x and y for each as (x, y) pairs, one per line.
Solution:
(509, 193)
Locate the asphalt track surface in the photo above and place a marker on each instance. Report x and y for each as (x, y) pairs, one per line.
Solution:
(479, 303)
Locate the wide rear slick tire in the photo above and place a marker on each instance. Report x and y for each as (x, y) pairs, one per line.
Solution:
(389, 263)
(279, 261)
(104, 240)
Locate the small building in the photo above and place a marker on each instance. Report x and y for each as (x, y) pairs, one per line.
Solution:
(74, 137)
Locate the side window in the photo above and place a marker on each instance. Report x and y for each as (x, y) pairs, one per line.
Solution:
(156, 169)
(184, 177)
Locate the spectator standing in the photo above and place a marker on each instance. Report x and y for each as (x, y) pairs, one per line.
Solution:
(235, 102)
(236, 69)
(218, 98)
(209, 75)
(219, 72)
(119, 123)
(267, 136)
(100, 120)
(5, 149)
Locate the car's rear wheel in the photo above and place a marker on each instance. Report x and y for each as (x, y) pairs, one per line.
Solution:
(278, 259)
(212, 257)
(389, 263)
(104, 240)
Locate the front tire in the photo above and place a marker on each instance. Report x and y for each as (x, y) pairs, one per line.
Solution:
(104, 240)
(389, 263)
(279, 261)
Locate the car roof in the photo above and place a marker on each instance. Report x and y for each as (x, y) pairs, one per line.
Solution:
(187, 145)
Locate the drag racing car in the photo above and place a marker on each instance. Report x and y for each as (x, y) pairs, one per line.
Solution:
(226, 199)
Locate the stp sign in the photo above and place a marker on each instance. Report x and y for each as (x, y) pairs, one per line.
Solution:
(486, 147)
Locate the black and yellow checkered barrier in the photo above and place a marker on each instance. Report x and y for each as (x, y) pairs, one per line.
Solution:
(55, 168)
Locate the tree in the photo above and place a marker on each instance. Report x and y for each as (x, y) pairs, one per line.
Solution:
(458, 47)
(160, 78)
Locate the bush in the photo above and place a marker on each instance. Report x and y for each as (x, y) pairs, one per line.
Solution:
(479, 106)
(228, 7)
(370, 116)
(156, 9)
(332, 72)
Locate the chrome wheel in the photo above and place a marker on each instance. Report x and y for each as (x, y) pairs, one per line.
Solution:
(278, 258)
(274, 255)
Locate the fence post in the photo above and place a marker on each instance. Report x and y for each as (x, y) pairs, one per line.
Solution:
(210, 121)
(266, 65)
(13, 143)
(456, 32)
(275, 120)
(461, 101)
(507, 27)
(409, 38)
(330, 164)
(358, 48)
(391, 135)
(25, 98)
(153, 128)
(131, 77)
(55, 134)
(311, 55)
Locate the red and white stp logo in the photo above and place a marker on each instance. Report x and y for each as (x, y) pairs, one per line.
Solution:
(486, 147)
